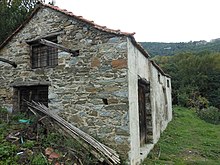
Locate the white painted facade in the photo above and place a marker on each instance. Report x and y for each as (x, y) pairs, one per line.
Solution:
(139, 66)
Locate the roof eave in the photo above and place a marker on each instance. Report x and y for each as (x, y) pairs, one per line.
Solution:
(159, 69)
(138, 46)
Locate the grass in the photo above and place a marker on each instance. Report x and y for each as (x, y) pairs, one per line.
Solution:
(187, 140)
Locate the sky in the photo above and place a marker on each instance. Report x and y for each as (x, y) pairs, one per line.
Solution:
(153, 20)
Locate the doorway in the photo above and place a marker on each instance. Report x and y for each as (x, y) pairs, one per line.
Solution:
(144, 110)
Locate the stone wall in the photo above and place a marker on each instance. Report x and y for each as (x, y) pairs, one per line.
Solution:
(91, 90)
(96, 91)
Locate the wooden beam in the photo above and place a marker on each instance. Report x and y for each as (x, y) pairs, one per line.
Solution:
(9, 62)
(54, 34)
(55, 45)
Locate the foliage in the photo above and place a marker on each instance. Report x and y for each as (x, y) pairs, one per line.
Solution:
(3, 113)
(199, 102)
(13, 13)
(39, 160)
(29, 144)
(6, 151)
(165, 49)
(187, 140)
(33, 139)
(195, 78)
(210, 114)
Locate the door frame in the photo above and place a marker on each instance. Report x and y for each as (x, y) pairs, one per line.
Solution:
(143, 89)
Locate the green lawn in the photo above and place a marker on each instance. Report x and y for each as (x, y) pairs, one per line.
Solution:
(187, 140)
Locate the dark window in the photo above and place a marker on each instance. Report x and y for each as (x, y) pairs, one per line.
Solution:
(166, 103)
(168, 83)
(44, 56)
(105, 101)
(35, 93)
(159, 78)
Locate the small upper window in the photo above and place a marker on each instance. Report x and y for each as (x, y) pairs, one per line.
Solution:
(44, 56)
(159, 78)
(168, 83)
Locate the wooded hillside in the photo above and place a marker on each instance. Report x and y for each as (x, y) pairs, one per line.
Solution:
(165, 49)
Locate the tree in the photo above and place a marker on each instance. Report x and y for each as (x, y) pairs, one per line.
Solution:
(195, 78)
(13, 13)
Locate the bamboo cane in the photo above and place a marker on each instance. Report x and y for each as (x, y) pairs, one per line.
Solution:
(109, 154)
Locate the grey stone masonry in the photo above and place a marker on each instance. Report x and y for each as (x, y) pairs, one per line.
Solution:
(90, 90)
(90, 79)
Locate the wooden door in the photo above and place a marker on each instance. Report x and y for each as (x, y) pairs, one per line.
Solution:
(142, 89)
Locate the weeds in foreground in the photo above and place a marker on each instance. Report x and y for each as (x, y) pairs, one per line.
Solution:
(38, 142)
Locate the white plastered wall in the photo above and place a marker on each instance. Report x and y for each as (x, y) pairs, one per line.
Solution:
(140, 66)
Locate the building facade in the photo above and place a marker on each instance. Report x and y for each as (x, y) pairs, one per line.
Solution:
(101, 80)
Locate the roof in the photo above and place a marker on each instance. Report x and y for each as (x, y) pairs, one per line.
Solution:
(159, 68)
(91, 23)
(80, 18)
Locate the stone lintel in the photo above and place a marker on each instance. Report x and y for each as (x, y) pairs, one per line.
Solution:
(29, 83)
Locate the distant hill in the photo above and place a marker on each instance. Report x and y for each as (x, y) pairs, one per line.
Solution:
(164, 49)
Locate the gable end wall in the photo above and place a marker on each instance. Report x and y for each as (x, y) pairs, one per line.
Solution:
(78, 85)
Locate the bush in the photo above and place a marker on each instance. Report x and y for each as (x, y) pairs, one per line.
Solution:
(193, 100)
(183, 99)
(210, 114)
(4, 115)
(198, 102)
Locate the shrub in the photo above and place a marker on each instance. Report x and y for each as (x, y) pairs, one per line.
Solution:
(193, 100)
(198, 102)
(3, 114)
(210, 114)
(183, 99)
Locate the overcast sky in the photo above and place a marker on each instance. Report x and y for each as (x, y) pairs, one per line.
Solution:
(153, 20)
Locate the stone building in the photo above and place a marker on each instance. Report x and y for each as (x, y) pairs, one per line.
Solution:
(99, 79)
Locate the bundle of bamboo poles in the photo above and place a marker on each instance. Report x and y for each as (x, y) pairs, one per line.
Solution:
(109, 155)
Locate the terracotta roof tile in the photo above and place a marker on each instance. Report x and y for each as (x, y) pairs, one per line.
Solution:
(104, 28)
(91, 23)
(159, 68)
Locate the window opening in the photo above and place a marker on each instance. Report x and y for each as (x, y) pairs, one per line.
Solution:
(159, 78)
(35, 93)
(105, 101)
(168, 83)
(165, 104)
(75, 53)
(44, 56)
